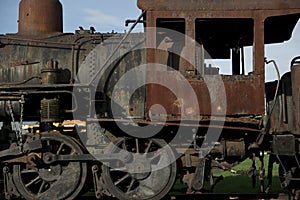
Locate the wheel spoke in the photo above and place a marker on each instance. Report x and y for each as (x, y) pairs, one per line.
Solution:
(73, 152)
(49, 145)
(156, 155)
(130, 185)
(148, 147)
(60, 148)
(137, 145)
(122, 179)
(33, 181)
(42, 187)
(124, 144)
(118, 169)
(29, 171)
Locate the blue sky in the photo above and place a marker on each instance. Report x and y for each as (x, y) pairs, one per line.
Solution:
(108, 15)
(104, 15)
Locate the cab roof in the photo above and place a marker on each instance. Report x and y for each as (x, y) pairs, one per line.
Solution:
(208, 5)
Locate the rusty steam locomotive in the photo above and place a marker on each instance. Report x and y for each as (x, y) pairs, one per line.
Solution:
(128, 114)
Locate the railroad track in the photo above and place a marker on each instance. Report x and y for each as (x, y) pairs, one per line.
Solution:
(280, 196)
(230, 196)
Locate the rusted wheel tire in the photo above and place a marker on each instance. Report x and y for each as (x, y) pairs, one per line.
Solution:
(150, 173)
(62, 180)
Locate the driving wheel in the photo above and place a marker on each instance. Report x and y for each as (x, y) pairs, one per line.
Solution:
(61, 180)
(148, 172)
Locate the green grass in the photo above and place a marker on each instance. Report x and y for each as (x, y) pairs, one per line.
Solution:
(240, 184)
(234, 183)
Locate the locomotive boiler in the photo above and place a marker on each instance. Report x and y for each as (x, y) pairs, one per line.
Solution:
(129, 114)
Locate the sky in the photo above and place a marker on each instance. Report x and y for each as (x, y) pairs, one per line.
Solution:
(104, 15)
(108, 15)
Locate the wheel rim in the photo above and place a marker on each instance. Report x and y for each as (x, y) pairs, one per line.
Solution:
(146, 175)
(54, 181)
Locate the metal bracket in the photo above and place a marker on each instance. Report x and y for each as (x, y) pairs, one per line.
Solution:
(199, 177)
(9, 187)
(97, 186)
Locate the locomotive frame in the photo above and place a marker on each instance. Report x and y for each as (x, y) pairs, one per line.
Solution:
(56, 79)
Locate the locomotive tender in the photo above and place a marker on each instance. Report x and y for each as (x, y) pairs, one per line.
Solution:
(136, 111)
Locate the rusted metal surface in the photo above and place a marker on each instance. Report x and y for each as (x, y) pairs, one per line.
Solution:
(185, 5)
(235, 149)
(40, 18)
(29, 159)
(240, 90)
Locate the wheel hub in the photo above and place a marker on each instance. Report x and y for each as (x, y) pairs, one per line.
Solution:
(140, 167)
(50, 174)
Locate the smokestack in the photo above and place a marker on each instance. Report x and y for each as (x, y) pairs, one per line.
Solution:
(40, 18)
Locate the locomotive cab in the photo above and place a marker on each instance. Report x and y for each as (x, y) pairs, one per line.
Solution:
(221, 34)
(233, 38)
